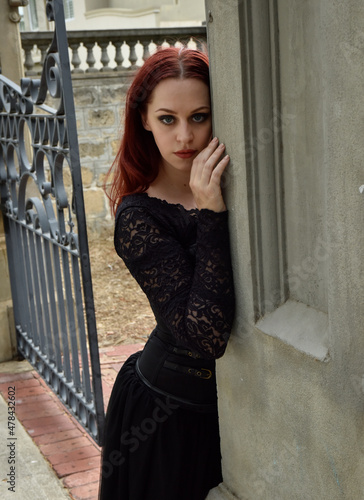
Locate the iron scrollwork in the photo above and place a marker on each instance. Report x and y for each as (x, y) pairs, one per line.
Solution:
(42, 203)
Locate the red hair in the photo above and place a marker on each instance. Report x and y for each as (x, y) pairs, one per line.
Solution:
(136, 164)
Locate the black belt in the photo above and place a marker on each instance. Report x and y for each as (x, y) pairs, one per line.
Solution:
(183, 403)
(171, 370)
(185, 352)
(165, 337)
(203, 373)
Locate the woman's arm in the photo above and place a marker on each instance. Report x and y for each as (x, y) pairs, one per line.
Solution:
(196, 302)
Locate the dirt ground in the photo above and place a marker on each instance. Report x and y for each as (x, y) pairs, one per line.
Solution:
(123, 314)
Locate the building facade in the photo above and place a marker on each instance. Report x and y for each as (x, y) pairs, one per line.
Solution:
(117, 14)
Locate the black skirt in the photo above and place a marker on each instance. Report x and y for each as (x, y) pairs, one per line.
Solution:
(154, 447)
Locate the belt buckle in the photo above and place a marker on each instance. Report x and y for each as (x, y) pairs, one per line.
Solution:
(193, 355)
(208, 373)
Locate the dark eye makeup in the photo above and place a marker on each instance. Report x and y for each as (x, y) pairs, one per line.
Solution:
(197, 118)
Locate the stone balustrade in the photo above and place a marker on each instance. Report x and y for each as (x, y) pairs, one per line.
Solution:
(107, 50)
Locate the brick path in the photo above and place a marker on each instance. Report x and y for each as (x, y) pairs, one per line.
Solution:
(71, 452)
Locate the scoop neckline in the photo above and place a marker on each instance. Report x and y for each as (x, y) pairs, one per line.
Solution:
(165, 202)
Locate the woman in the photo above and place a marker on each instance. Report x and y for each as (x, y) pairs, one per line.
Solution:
(162, 437)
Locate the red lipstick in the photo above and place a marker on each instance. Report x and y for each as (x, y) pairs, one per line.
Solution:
(185, 153)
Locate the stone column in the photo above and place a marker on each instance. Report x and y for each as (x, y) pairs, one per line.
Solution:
(10, 46)
(12, 68)
(7, 333)
(287, 90)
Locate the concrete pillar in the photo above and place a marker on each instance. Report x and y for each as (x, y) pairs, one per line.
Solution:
(287, 80)
(10, 46)
(7, 334)
(12, 67)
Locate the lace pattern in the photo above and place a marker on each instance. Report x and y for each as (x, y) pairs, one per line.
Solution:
(181, 260)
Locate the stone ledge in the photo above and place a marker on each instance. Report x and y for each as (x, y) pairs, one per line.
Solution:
(8, 346)
(222, 493)
(300, 326)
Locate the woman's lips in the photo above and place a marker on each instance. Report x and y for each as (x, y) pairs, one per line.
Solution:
(185, 153)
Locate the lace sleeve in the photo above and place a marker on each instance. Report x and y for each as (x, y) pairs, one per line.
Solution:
(195, 301)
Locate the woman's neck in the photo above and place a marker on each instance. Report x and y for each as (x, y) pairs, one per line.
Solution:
(173, 187)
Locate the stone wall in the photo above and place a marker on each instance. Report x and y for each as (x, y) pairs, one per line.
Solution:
(12, 67)
(99, 103)
(291, 391)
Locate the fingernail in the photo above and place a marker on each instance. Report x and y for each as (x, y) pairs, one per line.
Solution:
(214, 139)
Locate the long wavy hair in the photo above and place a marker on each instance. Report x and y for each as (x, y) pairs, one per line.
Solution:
(137, 161)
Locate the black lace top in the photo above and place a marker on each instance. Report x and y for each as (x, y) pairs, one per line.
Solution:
(181, 260)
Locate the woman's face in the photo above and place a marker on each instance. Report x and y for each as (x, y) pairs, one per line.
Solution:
(179, 117)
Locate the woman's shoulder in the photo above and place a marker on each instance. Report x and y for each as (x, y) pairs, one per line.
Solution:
(138, 201)
(167, 217)
(146, 200)
(156, 207)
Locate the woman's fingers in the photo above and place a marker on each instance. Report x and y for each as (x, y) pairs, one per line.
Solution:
(206, 173)
(219, 169)
(207, 158)
(208, 151)
(205, 164)
(211, 164)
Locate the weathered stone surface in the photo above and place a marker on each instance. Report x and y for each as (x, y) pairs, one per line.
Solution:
(101, 180)
(5, 292)
(113, 95)
(91, 149)
(99, 104)
(115, 146)
(6, 348)
(85, 96)
(291, 426)
(95, 202)
(101, 118)
(87, 176)
(79, 122)
(89, 135)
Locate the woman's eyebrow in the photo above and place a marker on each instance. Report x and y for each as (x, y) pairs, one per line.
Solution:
(165, 110)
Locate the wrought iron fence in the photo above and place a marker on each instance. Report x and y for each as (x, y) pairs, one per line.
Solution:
(45, 230)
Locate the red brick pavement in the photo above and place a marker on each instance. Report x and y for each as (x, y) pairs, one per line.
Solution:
(74, 456)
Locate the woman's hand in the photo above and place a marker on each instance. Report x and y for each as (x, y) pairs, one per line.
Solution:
(206, 172)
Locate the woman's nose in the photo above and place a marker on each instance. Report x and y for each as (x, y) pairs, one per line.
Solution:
(184, 133)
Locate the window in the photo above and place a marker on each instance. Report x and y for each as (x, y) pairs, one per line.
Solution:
(21, 23)
(33, 15)
(68, 10)
(29, 17)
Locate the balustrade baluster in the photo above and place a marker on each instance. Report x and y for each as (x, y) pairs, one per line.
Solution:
(90, 57)
(76, 61)
(105, 59)
(133, 55)
(118, 56)
(146, 52)
(159, 42)
(193, 43)
(29, 62)
(43, 47)
(200, 45)
(183, 41)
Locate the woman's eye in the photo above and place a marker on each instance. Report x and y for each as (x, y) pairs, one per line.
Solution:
(200, 117)
(167, 119)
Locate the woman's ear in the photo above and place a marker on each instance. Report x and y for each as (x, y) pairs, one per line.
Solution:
(145, 121)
